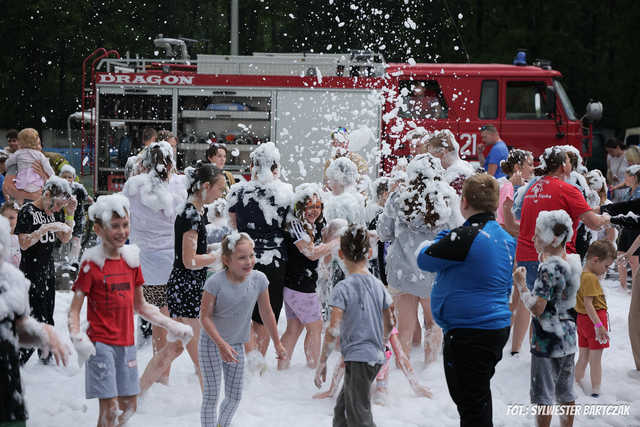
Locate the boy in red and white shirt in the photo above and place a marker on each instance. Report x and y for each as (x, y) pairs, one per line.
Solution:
(111, 280)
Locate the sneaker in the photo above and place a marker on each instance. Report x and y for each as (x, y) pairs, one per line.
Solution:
(595, 395)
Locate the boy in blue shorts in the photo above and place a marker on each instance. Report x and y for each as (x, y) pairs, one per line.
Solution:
(111, 279)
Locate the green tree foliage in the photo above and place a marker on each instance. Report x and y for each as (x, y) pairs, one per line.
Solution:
(591, 42)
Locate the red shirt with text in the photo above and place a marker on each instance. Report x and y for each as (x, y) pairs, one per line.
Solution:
(110, 296)
(548, 194)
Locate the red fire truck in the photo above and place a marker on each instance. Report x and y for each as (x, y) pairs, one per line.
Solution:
(297, 100)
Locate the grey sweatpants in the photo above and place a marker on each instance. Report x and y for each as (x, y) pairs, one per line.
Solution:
(211, 367)
(353, 406)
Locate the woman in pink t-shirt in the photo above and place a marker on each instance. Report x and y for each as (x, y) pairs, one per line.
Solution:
(518, 167)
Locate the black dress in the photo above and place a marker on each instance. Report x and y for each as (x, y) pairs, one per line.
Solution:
(184, 288)
(268, 235)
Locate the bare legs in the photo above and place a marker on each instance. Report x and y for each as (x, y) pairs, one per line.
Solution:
(162, 360)
(622, 270)
(634, 322)
(158, 341)
(520, 321)
(407, 310)
(312, 341)
(259, 339)
(108, 413)
(593, 358)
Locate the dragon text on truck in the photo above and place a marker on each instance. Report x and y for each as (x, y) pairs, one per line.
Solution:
(297, 100)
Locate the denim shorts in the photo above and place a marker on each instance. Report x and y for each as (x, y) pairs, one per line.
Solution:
(532, 272)
(112, 372)
(552, 380)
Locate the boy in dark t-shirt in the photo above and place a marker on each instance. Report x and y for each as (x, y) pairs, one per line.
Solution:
(38, 226)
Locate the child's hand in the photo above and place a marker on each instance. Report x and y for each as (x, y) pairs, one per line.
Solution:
(602, 336)
(84, 347)
(281, 352)
(179, 331)
(56, 347)
(227, 353)
(321, 374)
(623, 259)
(520, 276)
(71, 205)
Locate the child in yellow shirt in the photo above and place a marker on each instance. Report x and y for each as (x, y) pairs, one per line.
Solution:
(591, 306)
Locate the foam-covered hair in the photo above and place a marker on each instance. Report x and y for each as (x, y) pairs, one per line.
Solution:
(342, 170)
(103, 209)
(68, 169)
(426, 165)
(555, 228)
(57, 187)
(263, 158)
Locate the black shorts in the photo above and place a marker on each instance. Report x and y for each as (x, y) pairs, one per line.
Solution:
(275, 272)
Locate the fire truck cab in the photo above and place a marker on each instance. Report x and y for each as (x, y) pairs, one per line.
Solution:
(298, 100)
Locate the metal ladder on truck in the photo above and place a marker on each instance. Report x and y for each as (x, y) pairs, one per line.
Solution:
(88, 104)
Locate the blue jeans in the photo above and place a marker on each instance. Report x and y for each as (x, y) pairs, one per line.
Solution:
(532, 271)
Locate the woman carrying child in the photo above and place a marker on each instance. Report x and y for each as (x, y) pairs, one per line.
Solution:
(227, 303)
(29, 152)
(184, 288)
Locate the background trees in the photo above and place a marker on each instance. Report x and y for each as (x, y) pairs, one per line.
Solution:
(593, 43)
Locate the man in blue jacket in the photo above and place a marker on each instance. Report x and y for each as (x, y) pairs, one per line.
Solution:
(470, 298)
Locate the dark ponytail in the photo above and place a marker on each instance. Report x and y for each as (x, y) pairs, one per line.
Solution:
(354, 243)
(552, 159)
(516, 157)
(203, 172)
(158, 159)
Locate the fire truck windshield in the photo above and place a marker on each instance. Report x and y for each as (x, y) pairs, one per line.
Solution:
(566, 102)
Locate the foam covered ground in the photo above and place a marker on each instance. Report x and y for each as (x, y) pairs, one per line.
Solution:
(55, 396)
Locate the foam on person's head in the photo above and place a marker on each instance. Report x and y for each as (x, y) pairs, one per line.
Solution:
(263, 159)
(167, 152)
(306, 191)
(426, 165)
(342, 171)
(231, 240)
(103, 209)
(68, 169)
(596, 180)
(217, 209)
(547, 225)
(57, 187)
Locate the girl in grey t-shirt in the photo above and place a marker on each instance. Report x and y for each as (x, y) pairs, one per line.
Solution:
(227, 303)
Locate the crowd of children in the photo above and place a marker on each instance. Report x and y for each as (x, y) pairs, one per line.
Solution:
(211, 266)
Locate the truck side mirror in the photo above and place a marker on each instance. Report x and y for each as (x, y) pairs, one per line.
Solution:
(550, 95)
(593, 111)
